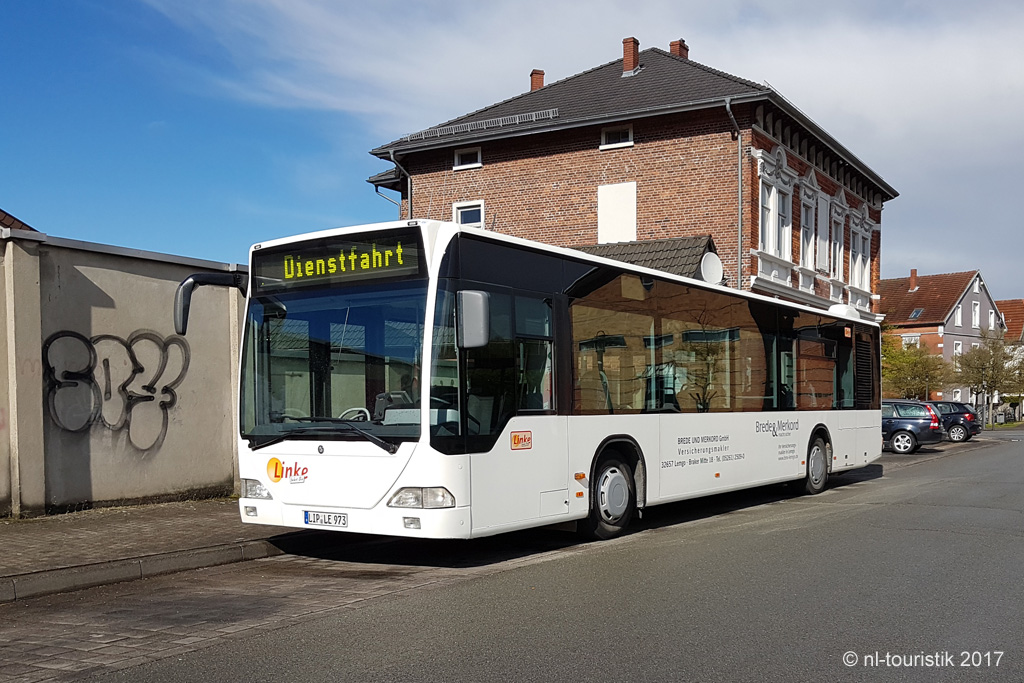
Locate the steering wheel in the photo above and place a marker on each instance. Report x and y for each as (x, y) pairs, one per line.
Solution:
(357, 412)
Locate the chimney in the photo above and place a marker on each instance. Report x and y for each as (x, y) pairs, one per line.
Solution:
(913, 280)
(679, 48)
(630, 55)
(536, 80)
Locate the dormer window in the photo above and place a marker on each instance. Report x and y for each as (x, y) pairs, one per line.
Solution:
(916, 314)
(616, 137)
(467, 158)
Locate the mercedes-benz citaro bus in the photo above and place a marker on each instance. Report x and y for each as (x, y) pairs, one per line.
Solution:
(420, 378)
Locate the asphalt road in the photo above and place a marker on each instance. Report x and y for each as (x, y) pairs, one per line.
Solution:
(909, 570)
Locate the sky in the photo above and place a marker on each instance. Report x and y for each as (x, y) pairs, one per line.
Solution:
(199, 127)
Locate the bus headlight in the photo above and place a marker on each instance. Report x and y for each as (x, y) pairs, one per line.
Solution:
(430, 498)
(253, 488)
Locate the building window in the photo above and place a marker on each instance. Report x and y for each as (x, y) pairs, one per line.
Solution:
(467, 158)
(911, 340)
(616, 137)
(836, 270)
(807, 235)
(975, 345)
(860, 260)
(469, 214)
(776, 222)
(958, 315)
(977, 286)
(956, 394)
(991, 319)
(976, 315)
(916, 314)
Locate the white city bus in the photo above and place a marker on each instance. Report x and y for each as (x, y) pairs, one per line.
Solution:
(420, 378)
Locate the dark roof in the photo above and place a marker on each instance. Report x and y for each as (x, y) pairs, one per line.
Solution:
(9, 221)
(664, 84)
(1013, 313)
(936, 295)
(676, 255)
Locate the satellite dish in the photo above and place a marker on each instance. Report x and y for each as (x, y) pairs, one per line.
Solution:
(711, 268)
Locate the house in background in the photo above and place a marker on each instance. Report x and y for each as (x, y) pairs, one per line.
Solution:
(1013, 317)
(947, 313)
(655, 146)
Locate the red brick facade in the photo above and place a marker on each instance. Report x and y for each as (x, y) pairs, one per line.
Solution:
(544, 186)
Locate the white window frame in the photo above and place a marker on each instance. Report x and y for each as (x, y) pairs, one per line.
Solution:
(456, 166)
(837, 235)
(911, 340)
(860, 251)
(459, 207)
(958, 315)
(977, 285)
(775, 232)
(605, 145)
(991, 319)
(807, 213)
(976, 315)
(956, 394)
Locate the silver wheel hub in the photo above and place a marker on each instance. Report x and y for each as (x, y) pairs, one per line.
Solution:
(612, 494)
(816, 465)
(901, 443)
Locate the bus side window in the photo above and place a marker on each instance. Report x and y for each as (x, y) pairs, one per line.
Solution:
(534, 360)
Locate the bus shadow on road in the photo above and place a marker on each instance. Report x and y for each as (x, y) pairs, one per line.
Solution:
(482, 552)
(697, 509)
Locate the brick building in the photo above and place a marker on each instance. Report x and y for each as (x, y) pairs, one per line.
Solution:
(948, 313)
(655, 146)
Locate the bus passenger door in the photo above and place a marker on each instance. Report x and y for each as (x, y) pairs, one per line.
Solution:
(519, 470)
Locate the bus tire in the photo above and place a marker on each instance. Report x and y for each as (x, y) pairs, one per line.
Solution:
(612, 499)
(817, 466)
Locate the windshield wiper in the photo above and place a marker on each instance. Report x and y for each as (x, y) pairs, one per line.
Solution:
(335, 422)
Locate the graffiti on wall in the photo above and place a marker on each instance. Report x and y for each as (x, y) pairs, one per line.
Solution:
(122, 385)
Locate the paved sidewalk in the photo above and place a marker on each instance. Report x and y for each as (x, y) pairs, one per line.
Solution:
(107, 545)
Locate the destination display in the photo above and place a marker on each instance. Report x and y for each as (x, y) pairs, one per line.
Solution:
(337, 261)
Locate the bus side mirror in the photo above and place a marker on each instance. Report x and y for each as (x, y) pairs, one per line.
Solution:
(473, 319)
(183, 295)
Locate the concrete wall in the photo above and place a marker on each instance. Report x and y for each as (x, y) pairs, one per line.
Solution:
(5, 442)
(106, 404)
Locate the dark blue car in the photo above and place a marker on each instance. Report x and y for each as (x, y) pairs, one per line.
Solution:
(959, 420)
(908, 424)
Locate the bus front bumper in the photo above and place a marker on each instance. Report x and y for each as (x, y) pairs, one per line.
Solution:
(411, 522)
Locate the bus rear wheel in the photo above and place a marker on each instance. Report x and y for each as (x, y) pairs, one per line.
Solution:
(817, 466)
(612, 499)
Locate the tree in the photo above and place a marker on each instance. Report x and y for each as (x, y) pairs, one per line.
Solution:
(989, 368)
(912, 371)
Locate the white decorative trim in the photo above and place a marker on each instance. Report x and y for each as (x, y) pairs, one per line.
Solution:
(774, 166)
(774, 268)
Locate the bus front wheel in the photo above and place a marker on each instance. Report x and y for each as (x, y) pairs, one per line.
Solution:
(612, 499)
(817, 466)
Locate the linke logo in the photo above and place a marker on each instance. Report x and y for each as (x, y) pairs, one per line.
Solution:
(295, 474)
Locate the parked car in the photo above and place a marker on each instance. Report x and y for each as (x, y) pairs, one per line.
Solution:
(959, 420)
(907, 424)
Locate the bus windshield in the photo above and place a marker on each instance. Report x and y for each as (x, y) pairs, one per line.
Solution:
(335, 361)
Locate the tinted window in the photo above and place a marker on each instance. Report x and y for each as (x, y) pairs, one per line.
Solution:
(887, 411)
(912, 410)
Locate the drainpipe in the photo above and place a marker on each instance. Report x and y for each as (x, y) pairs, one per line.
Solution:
(739, 200)
(408, 177)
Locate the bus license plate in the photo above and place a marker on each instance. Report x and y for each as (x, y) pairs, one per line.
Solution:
(326, 518)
